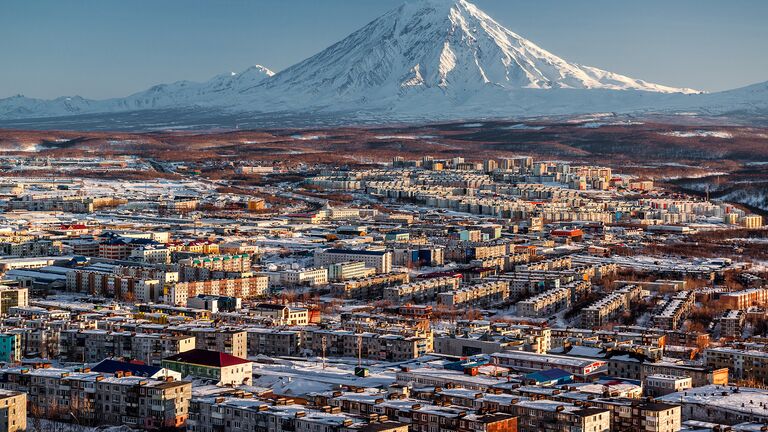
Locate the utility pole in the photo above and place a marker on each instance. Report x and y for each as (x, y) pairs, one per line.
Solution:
(360, 351)
(324, 342)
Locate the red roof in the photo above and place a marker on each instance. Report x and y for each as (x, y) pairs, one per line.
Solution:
(73, 226)
(207, 358)
(567, 233)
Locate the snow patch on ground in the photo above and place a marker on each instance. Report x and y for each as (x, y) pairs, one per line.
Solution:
(308, 137)
(699, 133)
(405, 137)
(523, 126)
(595, 125)
(25, 147)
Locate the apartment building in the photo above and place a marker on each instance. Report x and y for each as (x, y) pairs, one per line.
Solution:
(425, 417)
(230, 341)
(482, 295)
(152, 273)
(369, 287)
(552, 416)
(743, 299)
(213, 267)
(245, 288)
(30, 247)
(660, 385)
(751, 221)
(282, 315)
(39, 339)
(743, 364)
(116, 249)
(179, 205)
(274, 342)
(295, 277)
(90, 346)
(143, 403)
(505, 263)
(465, 251)
(10, 347)
(675, 311)
(215, 366)
(349, 270)
(732, 324)
(198, 246)
(13, 411)
(417, 256)
(379, 259)
(73, 204)
(373, 346)
(151, 254)
(91, 398)
(635, 414)
(602, 311)
(151, 348)
(13, 297)
(700, 375)
(8, 264)
(545, 304)
(424, 290)
(229, 414)
(129, 288)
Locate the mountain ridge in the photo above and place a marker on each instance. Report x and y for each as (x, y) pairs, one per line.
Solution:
(435, 59)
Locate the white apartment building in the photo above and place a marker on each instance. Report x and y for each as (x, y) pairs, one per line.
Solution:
(349, 270)
(292, 277)
(379, 259)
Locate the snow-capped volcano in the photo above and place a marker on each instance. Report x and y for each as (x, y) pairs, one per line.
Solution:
(449, 45)
(425, 60)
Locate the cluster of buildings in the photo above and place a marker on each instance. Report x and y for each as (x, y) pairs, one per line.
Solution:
(423, 295)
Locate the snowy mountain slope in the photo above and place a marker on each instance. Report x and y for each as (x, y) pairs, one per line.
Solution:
(425, 60)
(177, 94)
(752, 98)
(448, 46)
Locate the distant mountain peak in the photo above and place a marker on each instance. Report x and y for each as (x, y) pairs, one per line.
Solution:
(426, 59)
(450, 46)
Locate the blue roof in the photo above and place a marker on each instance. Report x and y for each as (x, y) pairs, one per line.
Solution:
(109, 366)
(549, 375)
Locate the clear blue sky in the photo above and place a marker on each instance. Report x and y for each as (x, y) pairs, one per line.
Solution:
(106, 48)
